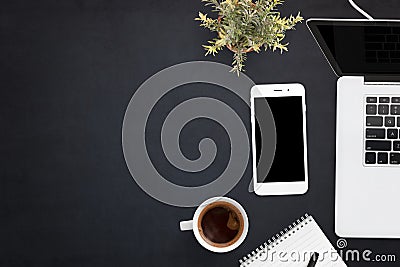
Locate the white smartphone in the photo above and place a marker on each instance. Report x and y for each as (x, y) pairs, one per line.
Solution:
(279, 140)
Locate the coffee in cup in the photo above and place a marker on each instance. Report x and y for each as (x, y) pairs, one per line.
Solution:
(220, 224)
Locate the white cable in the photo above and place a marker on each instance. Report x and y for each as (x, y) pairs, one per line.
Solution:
(356, 7)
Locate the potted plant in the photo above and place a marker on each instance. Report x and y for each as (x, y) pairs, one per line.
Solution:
(244, 26)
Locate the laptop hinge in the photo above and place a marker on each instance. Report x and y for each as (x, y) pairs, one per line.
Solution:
(382, 79)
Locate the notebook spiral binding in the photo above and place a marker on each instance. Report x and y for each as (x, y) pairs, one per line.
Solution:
(275, 240)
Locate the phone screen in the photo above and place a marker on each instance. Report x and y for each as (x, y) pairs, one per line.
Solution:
(288, 164)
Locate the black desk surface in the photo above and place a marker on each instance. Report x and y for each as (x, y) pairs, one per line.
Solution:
(67, 72)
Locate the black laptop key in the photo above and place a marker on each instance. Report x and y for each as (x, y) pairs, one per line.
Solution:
(381, 55)
(396, 146)
(378, 145)
(375, 133)
(370, 158)
(389, 46)
(394, 158)
(398, 121)
(392, 38)
(395, 99)
(383, 158)
(395, 54)
(374, 121)
(374, 46)
(372, 100)
(395, 110)
(383, 109)
(392, 133)
(384, 100)
(371, 109)
(390, 121)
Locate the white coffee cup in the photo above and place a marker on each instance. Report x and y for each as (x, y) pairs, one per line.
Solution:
(194, 224)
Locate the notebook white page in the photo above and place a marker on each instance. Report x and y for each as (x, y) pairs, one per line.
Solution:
(294, 246)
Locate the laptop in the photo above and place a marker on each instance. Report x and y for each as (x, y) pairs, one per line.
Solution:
(365, 55)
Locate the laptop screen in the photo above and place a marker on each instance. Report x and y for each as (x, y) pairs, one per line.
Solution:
(359, 47)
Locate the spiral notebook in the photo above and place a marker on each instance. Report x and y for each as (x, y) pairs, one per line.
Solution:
(294, 246)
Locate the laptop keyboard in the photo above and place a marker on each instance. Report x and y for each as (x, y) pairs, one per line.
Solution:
(382, 44)
(382, 124)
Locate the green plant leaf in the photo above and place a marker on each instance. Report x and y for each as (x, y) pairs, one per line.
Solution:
(245, 25)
